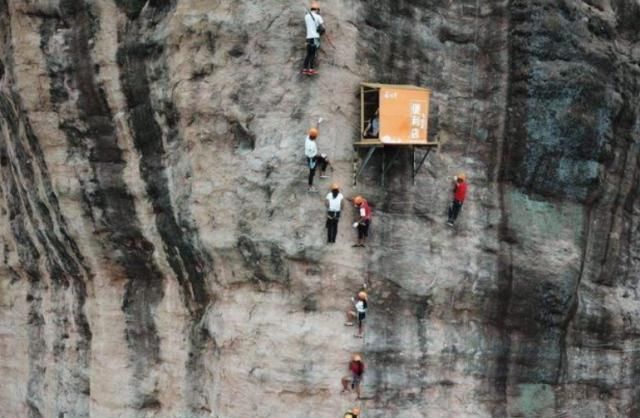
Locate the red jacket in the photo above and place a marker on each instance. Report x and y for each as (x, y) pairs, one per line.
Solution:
(356, 367)
(367, 210)
(460, 192)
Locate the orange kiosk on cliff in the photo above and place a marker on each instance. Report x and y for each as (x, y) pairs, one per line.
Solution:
(394, 117)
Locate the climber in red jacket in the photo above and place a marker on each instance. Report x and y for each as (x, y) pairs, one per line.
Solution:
(356, 367)
(459, 194)
(364, 220)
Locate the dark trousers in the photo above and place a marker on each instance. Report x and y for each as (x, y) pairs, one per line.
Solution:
(454, 210)
(363, 229)
(313, 164)
(332, 225)
(311, 54)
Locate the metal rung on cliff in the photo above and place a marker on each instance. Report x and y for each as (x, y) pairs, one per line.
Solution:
(393, 118)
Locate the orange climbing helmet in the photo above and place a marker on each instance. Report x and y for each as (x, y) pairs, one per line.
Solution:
(356, 357)
(313, 133)
(334, 186)
(358, 200)
(356, 411)
(362, 295)
(315, 5)
(461, 177)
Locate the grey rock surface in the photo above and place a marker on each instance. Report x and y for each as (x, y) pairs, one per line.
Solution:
(161, 256)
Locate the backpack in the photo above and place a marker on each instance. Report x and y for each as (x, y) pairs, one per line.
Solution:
(319, 26)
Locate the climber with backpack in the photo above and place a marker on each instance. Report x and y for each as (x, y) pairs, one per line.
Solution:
(459, 194)
(315, 28)
(352, 413)
(364, 220)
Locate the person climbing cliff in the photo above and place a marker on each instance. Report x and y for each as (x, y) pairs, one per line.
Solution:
(360, 304)
(352, 413)
(459, 194)
(334, 207)
(356, 368)
(315, 27)
(314, 159)
(364, 220)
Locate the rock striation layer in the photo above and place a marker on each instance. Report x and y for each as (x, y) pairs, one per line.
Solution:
(161, 257)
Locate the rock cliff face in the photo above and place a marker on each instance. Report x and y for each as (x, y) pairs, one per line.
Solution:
(161, 257)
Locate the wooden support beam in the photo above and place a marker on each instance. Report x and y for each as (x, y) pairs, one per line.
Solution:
(386, 167)
(364, 163)
(417, 169)
(361, 111)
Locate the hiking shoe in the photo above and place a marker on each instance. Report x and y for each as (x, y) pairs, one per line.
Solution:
(348, 324)
(312, 189)
(324, 176)
(305, 71)
(449, 223)
(312, 72)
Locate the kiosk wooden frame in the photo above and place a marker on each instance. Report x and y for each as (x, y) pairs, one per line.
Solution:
(402, 121)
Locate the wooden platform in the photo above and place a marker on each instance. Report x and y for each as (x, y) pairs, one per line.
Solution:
(372, 142)
(403, 115)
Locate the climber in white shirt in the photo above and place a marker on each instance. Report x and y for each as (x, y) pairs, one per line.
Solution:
(315, 159)
(315, 27)
(334, 207)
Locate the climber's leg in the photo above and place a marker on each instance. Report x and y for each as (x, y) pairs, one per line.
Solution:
(361, 316)
(345, 383)
(324, 163)
(311, 54)
(363, 232)
(351, 317)
(312, 170)
(454, 211)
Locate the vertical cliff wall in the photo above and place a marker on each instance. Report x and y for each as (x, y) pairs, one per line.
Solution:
(161, 256)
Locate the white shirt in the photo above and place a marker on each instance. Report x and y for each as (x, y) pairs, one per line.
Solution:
(310, 148)
(363, 212)
(334, 203)
(312, 25)
(360, 307)
(375, 126)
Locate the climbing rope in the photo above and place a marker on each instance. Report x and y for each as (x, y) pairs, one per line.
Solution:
(473, 82)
